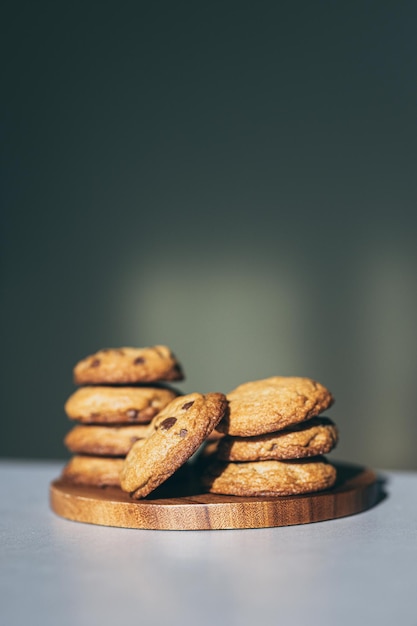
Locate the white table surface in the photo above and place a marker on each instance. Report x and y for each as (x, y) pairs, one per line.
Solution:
(360, 569)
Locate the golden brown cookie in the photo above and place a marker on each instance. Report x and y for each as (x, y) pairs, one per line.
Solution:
(175, 434)
(93, 471)
(264, 406)
(269, 478)
(117, 405)
(316, 436)
(104, 440)
(120, 366)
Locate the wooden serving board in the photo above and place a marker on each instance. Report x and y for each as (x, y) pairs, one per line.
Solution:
(178, 504)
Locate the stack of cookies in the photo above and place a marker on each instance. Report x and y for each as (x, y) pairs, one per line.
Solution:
(121, 391)
(135, 431)
(274, 441)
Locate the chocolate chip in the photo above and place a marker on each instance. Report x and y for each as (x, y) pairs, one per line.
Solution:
(183, 432)
(139, 360)
(95, 363)
(273, 447)
(132, 414)
(167, 423)
(187, 405)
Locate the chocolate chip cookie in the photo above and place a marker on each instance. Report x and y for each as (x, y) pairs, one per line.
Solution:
(271, 404)
(93, 471)
(269, 478)
(117, 405)
(175, 434)
(316, 436)
(119, 366)
(104, 440)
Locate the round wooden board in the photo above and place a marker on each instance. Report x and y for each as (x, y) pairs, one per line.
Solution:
(178, 505)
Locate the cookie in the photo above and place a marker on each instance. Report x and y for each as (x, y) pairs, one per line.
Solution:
(175, 434)
(269, 478)
(117, 405)
(264, 406)
(104, 440)
(119, 366)
(316, 436)
(93, 471)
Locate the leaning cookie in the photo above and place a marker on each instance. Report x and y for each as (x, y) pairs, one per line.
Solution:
(93, 471)
(119, 366)
(264, 406)
(316, 436)
(117, 405)
(104, 440)
(175, 434)
(269, 478)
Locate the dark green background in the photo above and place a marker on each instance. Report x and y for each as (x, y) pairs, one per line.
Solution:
(234, 179)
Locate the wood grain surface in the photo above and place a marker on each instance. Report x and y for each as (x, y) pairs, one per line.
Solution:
(179, 505)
